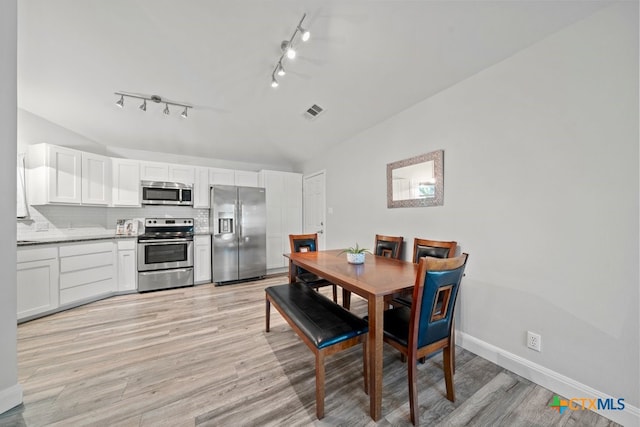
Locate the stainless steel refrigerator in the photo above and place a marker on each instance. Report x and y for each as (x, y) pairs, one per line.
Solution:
(238, 223)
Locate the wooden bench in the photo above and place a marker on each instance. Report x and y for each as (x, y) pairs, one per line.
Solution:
(324, 326)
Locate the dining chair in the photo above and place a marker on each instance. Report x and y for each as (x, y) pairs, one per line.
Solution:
(309, 243)
(422, 248)
(427, 326)
(388, 246)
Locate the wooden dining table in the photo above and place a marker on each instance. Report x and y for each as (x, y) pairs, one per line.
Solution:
(373, 280)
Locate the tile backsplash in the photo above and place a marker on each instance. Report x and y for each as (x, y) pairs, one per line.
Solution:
(53, 220)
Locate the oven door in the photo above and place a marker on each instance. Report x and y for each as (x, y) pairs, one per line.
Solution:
(162, 254)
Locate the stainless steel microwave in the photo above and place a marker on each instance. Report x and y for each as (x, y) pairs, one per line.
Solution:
(166, 193)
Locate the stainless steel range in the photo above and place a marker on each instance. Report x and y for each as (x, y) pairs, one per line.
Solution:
(165, 254)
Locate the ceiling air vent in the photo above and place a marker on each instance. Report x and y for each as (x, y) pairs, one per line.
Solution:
(313, 112)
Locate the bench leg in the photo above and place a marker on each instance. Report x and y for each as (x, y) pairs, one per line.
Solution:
(268, 313)
(320, 384)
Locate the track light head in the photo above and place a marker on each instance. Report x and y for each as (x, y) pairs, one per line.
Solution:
(288, 49)
(280, 69)
(120, 102)
(143, 106)
(274, 82)
(304, 34)
(166, 109)
(184, 113)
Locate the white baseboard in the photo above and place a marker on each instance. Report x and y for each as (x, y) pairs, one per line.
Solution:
(551, 380)
(10, 397)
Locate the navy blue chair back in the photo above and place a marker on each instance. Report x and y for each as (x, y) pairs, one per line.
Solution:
(303, 243)
(439, 281)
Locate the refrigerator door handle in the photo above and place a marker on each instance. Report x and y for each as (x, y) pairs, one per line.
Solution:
(238, 222)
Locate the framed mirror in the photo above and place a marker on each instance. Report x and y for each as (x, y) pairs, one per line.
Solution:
(416, 182)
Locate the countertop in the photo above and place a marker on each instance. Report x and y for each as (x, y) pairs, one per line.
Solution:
(107, 235)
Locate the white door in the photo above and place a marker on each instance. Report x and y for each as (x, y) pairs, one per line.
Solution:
(314, 209)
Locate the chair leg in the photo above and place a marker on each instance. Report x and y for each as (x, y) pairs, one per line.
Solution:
(335, 293)
(413, 390)
(448, 355)
(346, 298)
(320, 385)
(268, 314)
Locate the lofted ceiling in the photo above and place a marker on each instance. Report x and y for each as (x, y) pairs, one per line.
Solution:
(365, 61)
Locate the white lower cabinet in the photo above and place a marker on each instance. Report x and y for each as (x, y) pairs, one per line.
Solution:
(127, 268)
(202, 259)
(37, 281)
(87, 271)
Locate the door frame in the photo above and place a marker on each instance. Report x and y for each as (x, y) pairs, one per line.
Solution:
(322, 238)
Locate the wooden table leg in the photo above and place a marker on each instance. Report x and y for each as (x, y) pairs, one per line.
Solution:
(292, 272)
(376, 313)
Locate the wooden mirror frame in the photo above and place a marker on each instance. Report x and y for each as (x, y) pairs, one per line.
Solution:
(438, 169)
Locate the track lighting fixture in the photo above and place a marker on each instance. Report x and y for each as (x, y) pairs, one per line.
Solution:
(153, 98)
(288, 50)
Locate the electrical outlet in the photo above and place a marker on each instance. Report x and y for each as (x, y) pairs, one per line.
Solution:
(534, 341)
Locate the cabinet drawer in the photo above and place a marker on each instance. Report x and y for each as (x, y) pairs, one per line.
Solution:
(126, 244)
(84, 262)
(27, 255)
(90, 290)
(82, 277)
(86, 248)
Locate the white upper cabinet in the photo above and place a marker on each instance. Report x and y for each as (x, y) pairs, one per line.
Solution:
(201, 188)
(219, 176)
(96, 179)
(59, 175)
(181, 173)
(246, 178)
(154, 171)
(54, 175)
(126, 182)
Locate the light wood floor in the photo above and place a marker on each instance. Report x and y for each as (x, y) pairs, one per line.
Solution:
(200, 356)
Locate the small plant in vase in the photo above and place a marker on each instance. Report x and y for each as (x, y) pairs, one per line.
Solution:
(355, 255)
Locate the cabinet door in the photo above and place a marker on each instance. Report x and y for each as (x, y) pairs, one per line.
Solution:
(65, 176)
(126, 182)
(127, 267)
(96, 179)
(246, 178)
(37, 281)
(221, 176)
(183, 174)
(202, 259)
(201, 188)
(154, 171)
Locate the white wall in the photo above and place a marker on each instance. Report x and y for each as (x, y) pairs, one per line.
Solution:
(33, 129)
(10, 390)
(541, 189)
